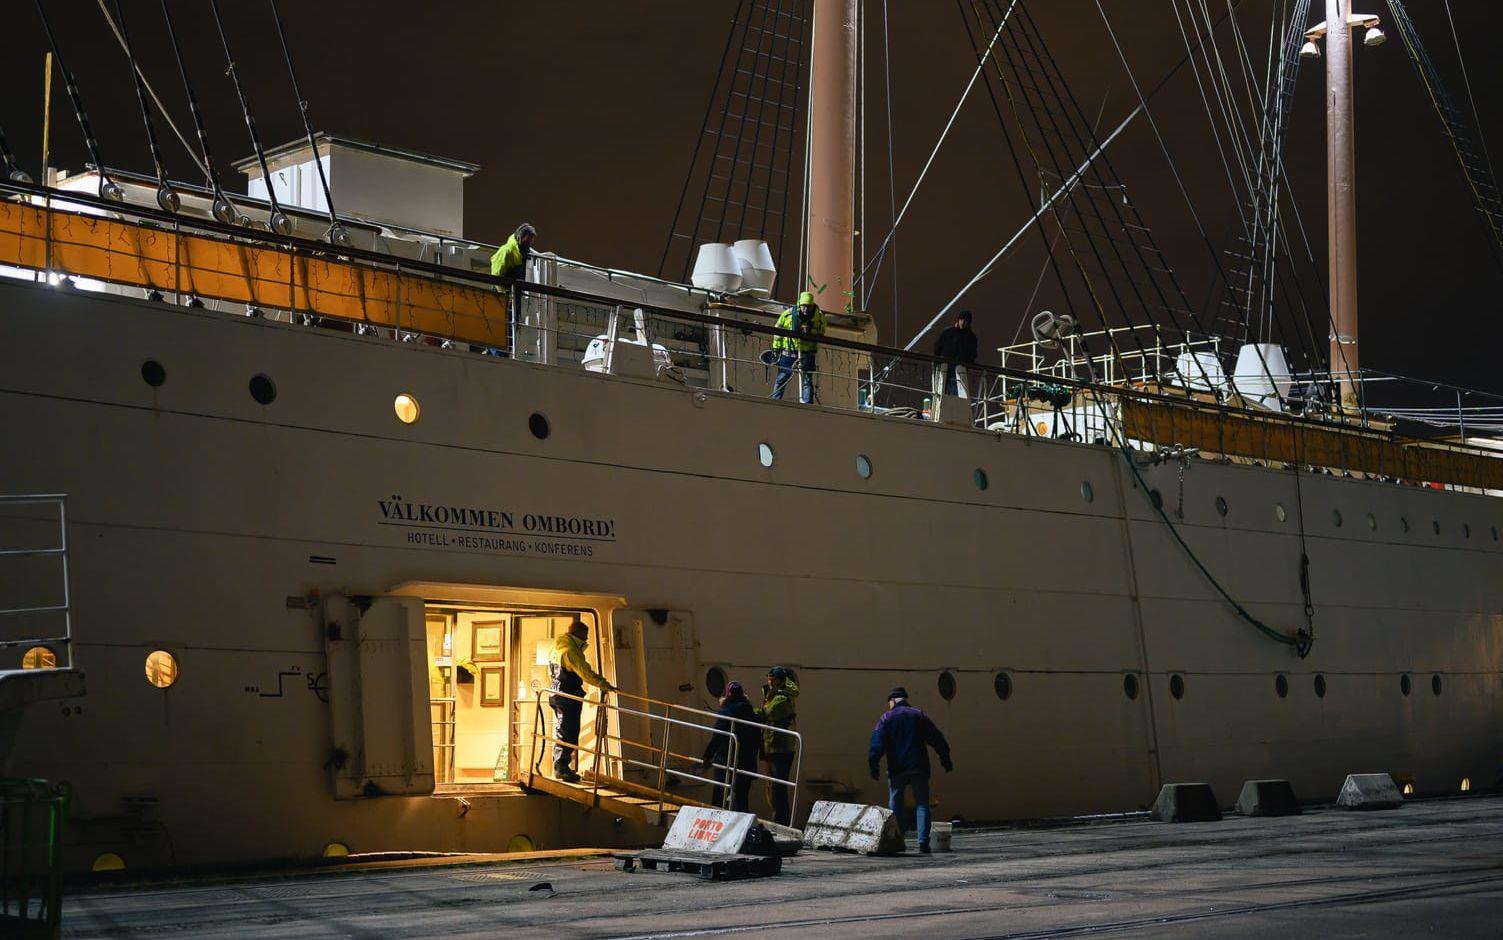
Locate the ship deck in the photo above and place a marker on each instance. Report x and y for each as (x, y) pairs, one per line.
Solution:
(1428, 868)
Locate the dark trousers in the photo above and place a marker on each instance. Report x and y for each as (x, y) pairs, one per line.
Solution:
(782, 768)
(785, 372)
(565, 730)
(920, 784)
(740, 791)
(952, 387)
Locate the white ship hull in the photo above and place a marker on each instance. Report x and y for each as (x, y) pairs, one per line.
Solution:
(198, 516)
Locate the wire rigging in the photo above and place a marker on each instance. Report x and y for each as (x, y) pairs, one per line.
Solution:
(108, 188)
(278, 221)
(336, 233)
(222, 208)
(167, 197)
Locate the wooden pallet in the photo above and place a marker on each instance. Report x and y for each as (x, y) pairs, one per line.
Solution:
(707, 865)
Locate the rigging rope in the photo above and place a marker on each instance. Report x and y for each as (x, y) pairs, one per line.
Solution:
(278, 221)
(167, 197)
(222, 208)
(336, 233)
(108, 188)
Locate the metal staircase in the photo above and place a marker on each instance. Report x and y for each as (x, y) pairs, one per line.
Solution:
(30, 560)
(655, 742)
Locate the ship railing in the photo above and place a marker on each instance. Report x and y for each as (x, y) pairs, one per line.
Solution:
(48, 235)
(34, 570)
(652, 755)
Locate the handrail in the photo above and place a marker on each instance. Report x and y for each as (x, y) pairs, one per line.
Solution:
(65, 641)
(663, 751)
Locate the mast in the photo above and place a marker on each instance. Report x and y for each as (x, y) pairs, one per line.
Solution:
(832, 153)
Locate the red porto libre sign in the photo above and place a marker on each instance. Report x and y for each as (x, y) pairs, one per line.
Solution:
(479, 528)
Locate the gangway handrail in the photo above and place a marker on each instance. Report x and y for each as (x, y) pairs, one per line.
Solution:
(64, 641)
(604, 708)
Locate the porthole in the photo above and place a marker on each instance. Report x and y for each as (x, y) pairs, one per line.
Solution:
(715, 681)
(1281, 685)
(1435, 526)
(1177, 686)
(1404, 523)
(947, 685)
(978, 477)
(764, 454)
(1405, 684)
(1466, 785)
(1221, 506)
(1435, 683)
(1320, 686)
(1087, 492)
(336, 850)
(1280, 513)
(863, 467)
(521, 842)
(161, 668)
(39, 657)
(538, 425)
(1002, 685)
(1336, 517)
(1130, 686)
(263, 389)
(1157, 498)
(406, 407)
(108, 861)
(153, 373)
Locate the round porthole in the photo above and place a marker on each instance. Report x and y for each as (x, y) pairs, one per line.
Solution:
(108, 861)
(407, 408)
(263, 389)
(1336, 517)
(1087, 492)
(538, 425)
(1002, 685)
(1405, 684)
(978, 477)
(521, 842)
(161, 668)
(1435, 684)
(1404, 523)
(39, 657)
(153, 373)
(1320, 686)
(1372, 522)
(863, 467)
(947, 685)
(1281, 685)
(764, 454)
(1177, 686)
(715, 681)
(1157, 498)
(1280, 513)
(1130, 686)
(336, 850)
(1221, 506)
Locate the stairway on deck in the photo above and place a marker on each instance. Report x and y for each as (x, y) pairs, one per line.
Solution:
(627, 800)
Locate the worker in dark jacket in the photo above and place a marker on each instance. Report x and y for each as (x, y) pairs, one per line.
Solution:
(734, 705)
(956, 347)
(904, 735)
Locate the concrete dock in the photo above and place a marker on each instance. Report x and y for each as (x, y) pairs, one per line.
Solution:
(1429, 868)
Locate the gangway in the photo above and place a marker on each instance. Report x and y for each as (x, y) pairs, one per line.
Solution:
(649, 753)
(47, 665)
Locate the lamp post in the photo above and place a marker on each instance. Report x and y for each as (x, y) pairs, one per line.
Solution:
(1341, 203)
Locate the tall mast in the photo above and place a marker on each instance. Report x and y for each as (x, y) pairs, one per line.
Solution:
(832, 152)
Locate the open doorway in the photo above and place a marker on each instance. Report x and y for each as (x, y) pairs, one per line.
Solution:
(487, 668)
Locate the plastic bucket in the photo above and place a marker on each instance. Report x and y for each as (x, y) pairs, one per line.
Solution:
(939, 836)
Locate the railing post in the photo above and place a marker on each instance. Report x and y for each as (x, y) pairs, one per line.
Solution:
(663, 761)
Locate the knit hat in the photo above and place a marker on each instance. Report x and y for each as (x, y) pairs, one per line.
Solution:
(965, 315)
(897, 692)
(734, 690)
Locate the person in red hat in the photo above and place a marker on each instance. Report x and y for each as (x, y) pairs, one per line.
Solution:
(738, 717)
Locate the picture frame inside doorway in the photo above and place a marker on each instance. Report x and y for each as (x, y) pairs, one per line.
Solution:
(488, 641)
(492, 686)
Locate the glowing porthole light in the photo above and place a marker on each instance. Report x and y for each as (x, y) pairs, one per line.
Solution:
(1466, 784)
(336, 850)
(108, 861)
(161, 668)
(39, 657)
(1409, 789)
(407, 408)
(1042, 428)
(521, 842)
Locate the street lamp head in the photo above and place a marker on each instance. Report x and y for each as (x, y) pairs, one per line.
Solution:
(1309, 50)
(1374, 37)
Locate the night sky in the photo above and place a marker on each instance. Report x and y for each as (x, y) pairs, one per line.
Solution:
(583, 115)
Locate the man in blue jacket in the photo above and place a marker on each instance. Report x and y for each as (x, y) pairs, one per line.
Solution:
(904, 735)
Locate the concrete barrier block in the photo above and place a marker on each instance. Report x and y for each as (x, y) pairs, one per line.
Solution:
(1267, 798)
(704, 829)
(1186, 802)
(852, 827)
(1369, 791)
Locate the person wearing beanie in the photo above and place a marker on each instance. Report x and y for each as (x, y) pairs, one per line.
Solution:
(779, 692)
(956, 348)
(904, 735)
(737, 716)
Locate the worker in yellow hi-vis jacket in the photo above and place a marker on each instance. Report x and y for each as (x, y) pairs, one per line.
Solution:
(570, 671)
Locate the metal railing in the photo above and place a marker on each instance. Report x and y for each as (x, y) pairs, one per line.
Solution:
(55, 643)
(655, 756)
(32, 816)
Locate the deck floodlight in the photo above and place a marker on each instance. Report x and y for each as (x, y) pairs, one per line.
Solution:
(1374, 37)
(1309, 50)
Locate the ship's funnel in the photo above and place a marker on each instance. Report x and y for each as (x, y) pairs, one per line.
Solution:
(716, 268)
(758, 271)
(1262, 374)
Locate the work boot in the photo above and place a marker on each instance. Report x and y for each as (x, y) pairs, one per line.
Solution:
(566, 775)
(923, 848)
